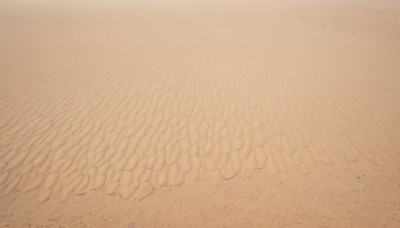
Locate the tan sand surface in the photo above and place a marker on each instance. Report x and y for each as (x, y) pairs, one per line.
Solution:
(191, 116)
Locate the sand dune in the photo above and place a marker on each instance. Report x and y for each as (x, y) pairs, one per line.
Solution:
(119, 105)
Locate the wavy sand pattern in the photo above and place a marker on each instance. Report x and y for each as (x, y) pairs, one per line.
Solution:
(129, 110)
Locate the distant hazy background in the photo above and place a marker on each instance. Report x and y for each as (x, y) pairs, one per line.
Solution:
(383, 4)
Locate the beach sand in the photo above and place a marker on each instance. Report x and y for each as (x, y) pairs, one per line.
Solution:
(241, 115)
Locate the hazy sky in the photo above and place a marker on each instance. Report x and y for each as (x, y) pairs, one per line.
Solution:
(385, 4)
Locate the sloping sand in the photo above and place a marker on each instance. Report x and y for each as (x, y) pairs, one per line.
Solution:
(213, 116)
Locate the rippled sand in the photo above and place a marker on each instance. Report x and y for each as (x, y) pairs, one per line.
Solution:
(189, 117)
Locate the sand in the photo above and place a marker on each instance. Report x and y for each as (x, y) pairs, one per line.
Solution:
(212, 116)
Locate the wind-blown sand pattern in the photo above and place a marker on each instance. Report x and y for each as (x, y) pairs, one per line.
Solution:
(129, 101)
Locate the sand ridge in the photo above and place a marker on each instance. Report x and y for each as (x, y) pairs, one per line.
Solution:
(124, 132)
(127, 108)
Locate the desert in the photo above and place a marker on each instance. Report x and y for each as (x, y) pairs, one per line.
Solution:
(199, 114)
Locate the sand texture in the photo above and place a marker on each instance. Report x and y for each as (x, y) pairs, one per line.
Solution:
(261, 116)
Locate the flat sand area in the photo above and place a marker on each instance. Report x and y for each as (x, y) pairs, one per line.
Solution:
(213, 116)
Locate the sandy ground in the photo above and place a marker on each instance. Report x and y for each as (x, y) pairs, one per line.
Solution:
(199, 116)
